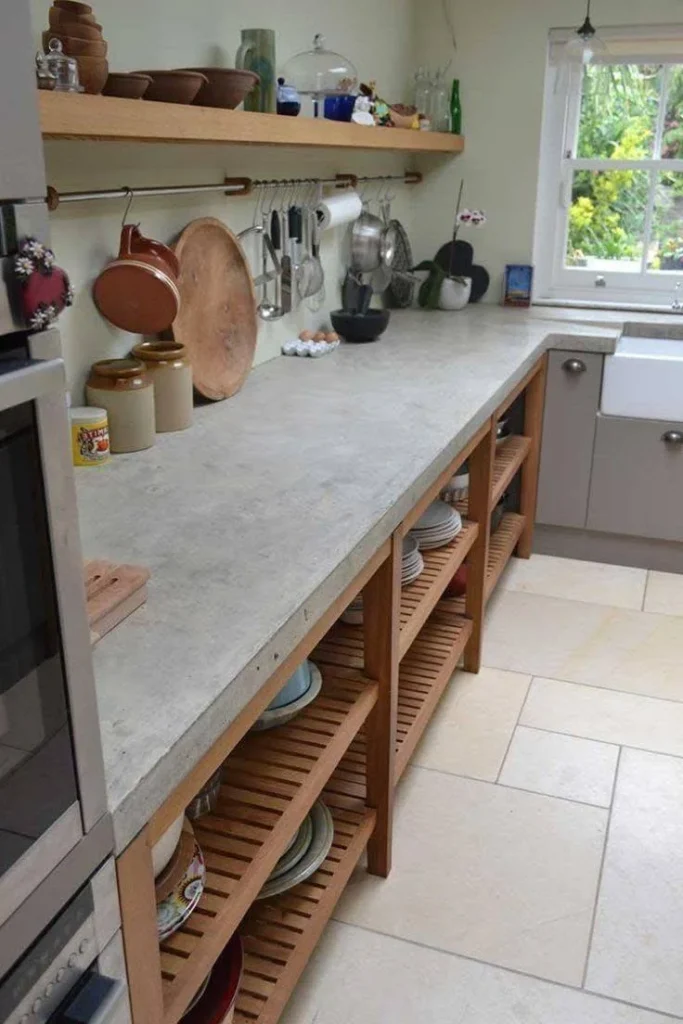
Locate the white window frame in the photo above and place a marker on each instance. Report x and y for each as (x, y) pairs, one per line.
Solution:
(555, 283)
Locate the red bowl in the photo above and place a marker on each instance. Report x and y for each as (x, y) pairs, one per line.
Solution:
(218, 1002)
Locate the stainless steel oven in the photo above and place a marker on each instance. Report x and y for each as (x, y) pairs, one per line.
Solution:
(54, 829)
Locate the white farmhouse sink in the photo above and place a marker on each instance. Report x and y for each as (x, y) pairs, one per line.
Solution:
(644, 379)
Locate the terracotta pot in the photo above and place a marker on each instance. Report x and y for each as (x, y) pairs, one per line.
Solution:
(74, 6)
(92, 73)
(138, 291)
(174, 86)
(122, 387)
(58, 14)
(76, 47)
(126, 84)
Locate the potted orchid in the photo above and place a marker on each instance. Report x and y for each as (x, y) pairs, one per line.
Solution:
(443, 288)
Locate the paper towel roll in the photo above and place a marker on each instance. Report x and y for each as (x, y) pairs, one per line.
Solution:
(342, 209)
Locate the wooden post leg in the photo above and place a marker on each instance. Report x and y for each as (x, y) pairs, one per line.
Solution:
(481, 482)
(140, 937)
(381, 602)
(534, 401)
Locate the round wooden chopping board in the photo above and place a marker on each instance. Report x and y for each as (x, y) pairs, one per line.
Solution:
(217, 321)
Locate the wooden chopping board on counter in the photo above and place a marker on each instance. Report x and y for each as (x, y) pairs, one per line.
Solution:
(112, 592)
(217, 321)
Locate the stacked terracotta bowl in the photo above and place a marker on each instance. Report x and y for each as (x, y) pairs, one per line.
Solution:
(74, 24)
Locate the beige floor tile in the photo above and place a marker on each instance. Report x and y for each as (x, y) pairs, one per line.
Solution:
(664, 593)
(584, 643)
(473, 724)
(367, 978)
(605, 715)
(493, 873)
(637, 948)
(564, 766)
(595, 582)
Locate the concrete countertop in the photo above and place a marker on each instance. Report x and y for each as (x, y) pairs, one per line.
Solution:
(255, 520)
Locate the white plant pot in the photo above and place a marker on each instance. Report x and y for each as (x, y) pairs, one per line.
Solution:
(455, 294)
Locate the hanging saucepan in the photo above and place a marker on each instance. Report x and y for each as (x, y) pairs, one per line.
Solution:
(373, 244)
(138, 291)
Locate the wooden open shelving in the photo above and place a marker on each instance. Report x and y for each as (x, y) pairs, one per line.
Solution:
(418, 599)
(423, 675)
(110, 119)
(501, 546)
(511, 453)
(271, 780)
(279, 934)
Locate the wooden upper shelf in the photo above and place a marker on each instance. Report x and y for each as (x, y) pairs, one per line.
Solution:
(108, 119)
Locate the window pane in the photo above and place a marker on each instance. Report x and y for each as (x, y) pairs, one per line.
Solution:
(672, 136)
(606, 220)
(619, 105)
(666, 250)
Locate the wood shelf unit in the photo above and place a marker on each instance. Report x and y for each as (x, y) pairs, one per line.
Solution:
(501, 546)
(280, 934)
(511, 453)
(423, 675)
(419, 599)
(110, 119)
(271, 780)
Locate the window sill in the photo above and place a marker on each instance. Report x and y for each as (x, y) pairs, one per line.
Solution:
(628, 307)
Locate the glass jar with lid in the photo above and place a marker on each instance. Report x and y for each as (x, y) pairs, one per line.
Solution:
(63, 67)
(321, 72)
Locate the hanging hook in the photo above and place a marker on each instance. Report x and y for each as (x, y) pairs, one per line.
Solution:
(130, 196)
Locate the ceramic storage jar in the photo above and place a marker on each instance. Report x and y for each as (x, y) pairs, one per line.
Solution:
(168, 365)
(126, 391)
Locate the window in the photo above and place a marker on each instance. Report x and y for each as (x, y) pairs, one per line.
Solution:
(609, 225)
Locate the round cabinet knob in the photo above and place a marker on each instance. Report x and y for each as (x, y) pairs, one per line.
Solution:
(574, 366)
(673, 437)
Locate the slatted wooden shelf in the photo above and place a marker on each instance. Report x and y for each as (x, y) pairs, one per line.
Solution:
(510, 455)
(419, 598)
(423, 676)
(110, 119)
(280, 934)
(270, 782)
(501, 546)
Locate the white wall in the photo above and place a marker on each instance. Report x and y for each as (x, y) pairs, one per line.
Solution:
(501, 59)
(377, 37)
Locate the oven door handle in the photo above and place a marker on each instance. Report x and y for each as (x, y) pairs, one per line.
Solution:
(31, 381)
(97, 1002)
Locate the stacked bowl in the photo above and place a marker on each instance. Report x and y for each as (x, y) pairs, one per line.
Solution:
(73, 24)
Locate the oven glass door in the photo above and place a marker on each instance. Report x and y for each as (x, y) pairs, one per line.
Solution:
(37, 769)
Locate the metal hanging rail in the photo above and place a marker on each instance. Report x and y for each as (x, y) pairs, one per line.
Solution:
(229, 187)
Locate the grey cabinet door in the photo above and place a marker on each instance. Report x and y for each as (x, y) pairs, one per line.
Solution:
(571, 404)
(637, 482)
(22, 168)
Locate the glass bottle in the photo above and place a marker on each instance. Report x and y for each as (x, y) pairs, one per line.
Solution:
(456, 108)
(441, 113)
(423, 92)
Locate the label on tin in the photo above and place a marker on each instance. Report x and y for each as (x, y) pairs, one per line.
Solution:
(90, 443)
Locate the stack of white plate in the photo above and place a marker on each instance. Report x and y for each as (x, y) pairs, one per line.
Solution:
(413, 562)
(438, 526)
(310, 847)
(412, 567)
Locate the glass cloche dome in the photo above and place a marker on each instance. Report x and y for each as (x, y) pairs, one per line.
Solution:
(320, 72)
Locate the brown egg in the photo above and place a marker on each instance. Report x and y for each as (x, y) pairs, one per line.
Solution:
(307, 336)
(332, 336)
(319, 336)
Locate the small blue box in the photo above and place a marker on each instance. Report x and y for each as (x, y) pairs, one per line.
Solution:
(519, 279)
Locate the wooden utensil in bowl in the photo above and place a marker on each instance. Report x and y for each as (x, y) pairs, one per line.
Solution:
(174, 86)
(76, 47)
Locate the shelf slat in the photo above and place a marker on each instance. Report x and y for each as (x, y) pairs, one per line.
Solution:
(270, 783)
(501, 546)
(423, 675)
(110, 119)
(280, 934)
(420, 598)
(510, 455)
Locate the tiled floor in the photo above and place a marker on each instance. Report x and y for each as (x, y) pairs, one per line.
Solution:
(538, 858)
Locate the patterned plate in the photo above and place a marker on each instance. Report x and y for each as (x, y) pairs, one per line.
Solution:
(173, 912)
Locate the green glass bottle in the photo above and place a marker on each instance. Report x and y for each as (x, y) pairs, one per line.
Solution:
(456, 108)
